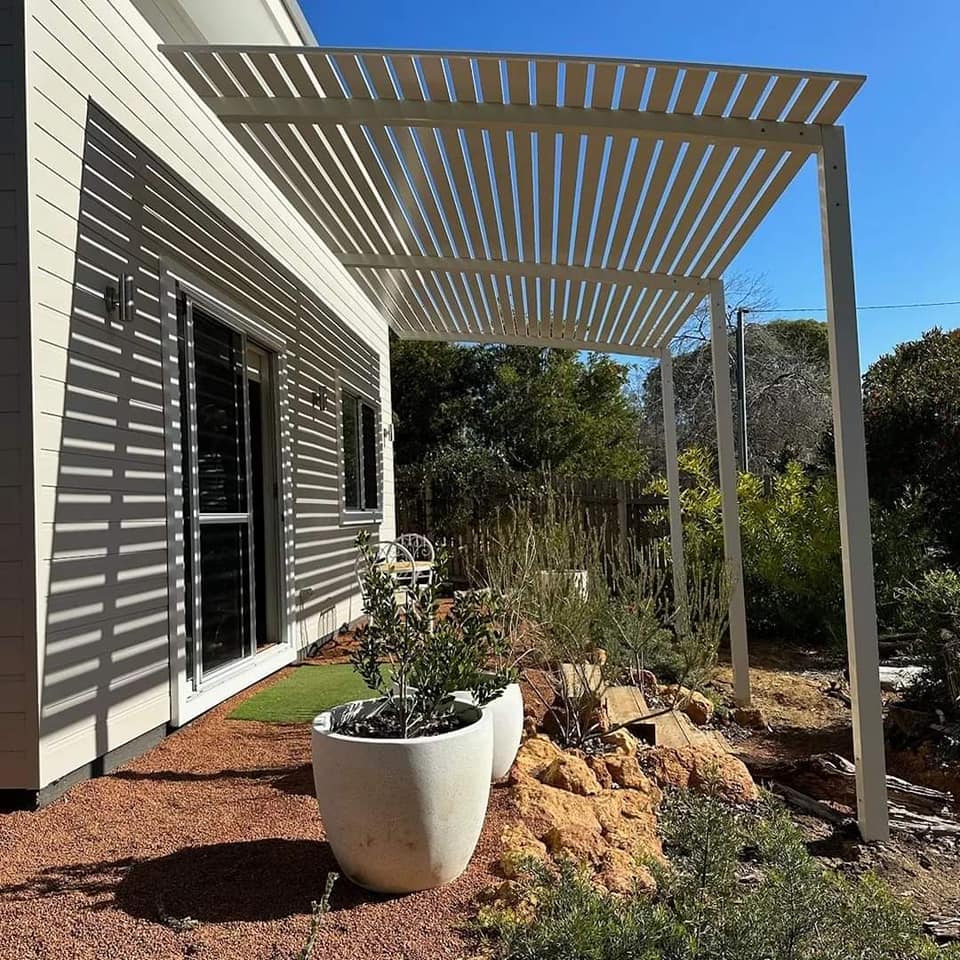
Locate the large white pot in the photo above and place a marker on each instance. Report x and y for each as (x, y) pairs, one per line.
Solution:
(402, 815)
(506, 711)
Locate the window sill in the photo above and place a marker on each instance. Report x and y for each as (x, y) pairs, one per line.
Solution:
(360, 519)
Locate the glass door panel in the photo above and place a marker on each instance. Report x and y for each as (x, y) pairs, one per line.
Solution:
(225, 593)
(218, 466)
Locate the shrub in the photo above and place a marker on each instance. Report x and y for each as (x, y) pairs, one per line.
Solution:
(740, 886)
(911, 410)
(790, 540)
(932, 608)
(571, 590)
(426, 658)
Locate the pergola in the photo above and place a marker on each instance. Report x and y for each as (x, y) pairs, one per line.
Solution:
(586, 204)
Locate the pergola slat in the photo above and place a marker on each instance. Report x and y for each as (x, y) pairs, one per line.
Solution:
(614, 171)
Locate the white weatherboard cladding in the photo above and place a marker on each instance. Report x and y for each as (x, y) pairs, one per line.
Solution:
(102, 613)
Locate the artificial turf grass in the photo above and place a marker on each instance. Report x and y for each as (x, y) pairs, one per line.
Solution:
(309, 690)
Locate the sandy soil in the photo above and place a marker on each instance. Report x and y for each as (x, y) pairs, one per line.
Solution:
(789, 686)
(219, 824)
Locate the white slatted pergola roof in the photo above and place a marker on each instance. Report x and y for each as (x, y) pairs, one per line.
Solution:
(559, 201)
(584, 204)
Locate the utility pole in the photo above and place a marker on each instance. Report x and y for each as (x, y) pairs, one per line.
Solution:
(741, 370)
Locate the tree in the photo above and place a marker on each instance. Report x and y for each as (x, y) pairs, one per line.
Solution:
(911, 403)
(524, 408)
(788, 392)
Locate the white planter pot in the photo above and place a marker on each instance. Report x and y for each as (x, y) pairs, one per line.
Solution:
(576, 581)
(402, 815)
(506, 711)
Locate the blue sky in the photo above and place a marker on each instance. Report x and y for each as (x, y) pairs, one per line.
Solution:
(903, 130)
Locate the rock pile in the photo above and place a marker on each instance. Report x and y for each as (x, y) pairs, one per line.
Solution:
(599, 811)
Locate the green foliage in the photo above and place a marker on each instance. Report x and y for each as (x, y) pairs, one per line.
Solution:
(740, 886)
(790, 539)
(427, 658)
(912, 422)
(528, 409)
(931, 607)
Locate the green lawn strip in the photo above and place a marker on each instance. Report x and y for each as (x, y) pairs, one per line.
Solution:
(309, 690)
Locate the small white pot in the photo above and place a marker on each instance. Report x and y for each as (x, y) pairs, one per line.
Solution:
(506, 711)
(576, 581)
(402, 815)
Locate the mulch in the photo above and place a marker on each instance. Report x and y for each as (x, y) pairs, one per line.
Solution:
(218, 824)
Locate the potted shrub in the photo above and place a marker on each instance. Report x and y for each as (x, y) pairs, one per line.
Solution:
(403, 779)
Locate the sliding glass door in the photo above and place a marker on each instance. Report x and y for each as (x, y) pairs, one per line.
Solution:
(229, 492)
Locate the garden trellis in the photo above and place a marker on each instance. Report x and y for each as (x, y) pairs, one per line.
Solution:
(586, 204)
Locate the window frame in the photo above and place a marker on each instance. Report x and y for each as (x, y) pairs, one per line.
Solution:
(358, 515)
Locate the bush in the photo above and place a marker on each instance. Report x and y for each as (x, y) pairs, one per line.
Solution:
(413, 659)
(740, 887)
(790, 544)
(932, 608)
(911, 410)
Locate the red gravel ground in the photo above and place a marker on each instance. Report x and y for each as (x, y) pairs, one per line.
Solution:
(217, 823)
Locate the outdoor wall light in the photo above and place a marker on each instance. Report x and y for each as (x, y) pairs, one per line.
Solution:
(119, 300)
(320, 399)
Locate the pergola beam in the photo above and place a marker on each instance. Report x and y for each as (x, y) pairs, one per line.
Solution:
(548, 271)
(523, 340)
(330, 111)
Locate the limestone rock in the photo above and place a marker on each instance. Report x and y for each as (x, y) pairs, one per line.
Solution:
(704, 767)
(518, 844)
(622, 741)
(699, 708)
(620, 873)
(541, 808)
(648, 681)
(624, 770)
(598, 765)
(534, 756)
(629, 823)
(576, 841)
(571, 773)
(694, 704)
(751, 717)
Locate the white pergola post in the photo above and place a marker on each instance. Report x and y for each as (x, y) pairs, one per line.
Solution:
(854, 501)
(673, 478)
(728, 492)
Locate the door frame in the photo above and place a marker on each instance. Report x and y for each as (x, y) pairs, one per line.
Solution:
(189, 699)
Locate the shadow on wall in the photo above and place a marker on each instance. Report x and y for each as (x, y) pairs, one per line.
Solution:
(102, 508)
(101, 432)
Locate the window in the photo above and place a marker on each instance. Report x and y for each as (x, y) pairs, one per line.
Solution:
(360, 469)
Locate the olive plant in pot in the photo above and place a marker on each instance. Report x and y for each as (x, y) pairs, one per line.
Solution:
(403, 778)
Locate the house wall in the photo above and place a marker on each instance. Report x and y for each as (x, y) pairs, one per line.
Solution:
(130, 173)
(18, 679)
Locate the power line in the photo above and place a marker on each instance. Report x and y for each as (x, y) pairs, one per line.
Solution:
(871, 306)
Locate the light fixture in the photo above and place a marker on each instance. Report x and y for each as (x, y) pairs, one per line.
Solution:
(320, 399)
(119, 300)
